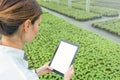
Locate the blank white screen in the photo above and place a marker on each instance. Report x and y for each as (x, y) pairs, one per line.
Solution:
(63, 57)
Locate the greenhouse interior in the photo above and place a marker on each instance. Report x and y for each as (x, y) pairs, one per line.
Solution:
(94, 25)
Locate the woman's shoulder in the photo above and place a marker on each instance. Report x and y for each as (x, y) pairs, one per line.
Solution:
(4, 62)
(8, 70)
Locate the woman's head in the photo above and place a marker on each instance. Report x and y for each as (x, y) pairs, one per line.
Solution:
(19, 15)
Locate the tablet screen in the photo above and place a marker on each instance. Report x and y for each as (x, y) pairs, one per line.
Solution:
(64, 57)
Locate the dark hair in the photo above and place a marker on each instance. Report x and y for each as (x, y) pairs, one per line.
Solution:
(14, 12)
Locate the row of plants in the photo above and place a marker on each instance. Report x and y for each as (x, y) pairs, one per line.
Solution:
(112, 26)
(71, 12)
(65, 2)
(97, 59)
(108, 12)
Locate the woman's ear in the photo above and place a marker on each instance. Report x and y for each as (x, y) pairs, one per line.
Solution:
(27, 24)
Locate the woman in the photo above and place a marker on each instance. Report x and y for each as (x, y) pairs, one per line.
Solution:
(19, 20)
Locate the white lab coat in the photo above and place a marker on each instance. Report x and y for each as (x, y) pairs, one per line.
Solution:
(13, 66)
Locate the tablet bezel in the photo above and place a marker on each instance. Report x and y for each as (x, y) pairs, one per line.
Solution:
(56, 71)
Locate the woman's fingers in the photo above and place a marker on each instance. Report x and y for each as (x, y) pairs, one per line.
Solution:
(68, 75)
(49, 68)
(72, 69)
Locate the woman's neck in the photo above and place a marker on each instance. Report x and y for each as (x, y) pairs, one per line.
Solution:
(13, 41)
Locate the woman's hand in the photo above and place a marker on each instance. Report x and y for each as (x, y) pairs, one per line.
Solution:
(68, 75)
(44, 69)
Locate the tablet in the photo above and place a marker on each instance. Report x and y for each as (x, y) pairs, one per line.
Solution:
(63, 57)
